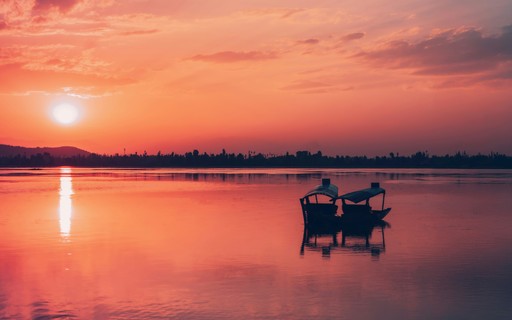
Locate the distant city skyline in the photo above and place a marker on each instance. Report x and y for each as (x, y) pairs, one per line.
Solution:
(344, 78)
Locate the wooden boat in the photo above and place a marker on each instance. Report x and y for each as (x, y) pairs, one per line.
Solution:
(319, 207)
(356, 204)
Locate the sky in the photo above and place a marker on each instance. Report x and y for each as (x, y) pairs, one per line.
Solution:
(344, 77)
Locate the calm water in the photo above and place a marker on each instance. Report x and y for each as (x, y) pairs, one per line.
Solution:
(226, 244)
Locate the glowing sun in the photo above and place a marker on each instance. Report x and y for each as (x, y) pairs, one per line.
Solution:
(65, 113)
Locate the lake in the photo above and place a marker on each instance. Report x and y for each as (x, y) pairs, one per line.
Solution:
(78, 243)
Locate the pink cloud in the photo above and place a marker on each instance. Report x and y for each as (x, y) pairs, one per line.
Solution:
(282, 13)
(11, 10)
(307, 84)
(352, 36)
(308, 41)
(232, 56)
(22, 79)
(453, 52)
(316, 86)
(138, 32)
(61, 5)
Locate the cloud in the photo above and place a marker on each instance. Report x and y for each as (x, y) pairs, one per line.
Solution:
(232, 56)
(290, 13)
(308, 41)
(307, 84)
(316, 86)
(138, 32)
(352, 36)
(61, 5)
(43, 16)
(51, 67)
(282, 13)
(14, 10)
(56, 58)
(23, 80)
(451, 52)
(65, 6)
(84, 93)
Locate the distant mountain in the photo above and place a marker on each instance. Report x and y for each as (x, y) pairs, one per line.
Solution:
(58, 152)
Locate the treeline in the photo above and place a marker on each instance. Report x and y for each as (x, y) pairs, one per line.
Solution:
(301, 159)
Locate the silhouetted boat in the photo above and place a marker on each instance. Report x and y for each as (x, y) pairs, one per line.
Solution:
(319, 207)
(353, 210)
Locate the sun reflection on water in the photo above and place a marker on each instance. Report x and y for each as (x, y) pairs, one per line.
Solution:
(65, 202)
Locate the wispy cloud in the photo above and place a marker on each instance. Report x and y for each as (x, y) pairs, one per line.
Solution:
(12, 11)
(29, 17)
(234, 56)
(138, 32)
(62, 40)
(85, 93)
(61, 5)
(316, 86)
(55, 58)
(352, 36)
(464, 51)
(281, 13)
(310, 41)
(53, 67)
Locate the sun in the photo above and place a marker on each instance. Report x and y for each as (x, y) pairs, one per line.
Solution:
(65, 113)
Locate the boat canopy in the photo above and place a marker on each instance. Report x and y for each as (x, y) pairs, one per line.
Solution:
(326, 188)
(361, 195)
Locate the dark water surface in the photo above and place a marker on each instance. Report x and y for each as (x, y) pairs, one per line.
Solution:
(226, 244)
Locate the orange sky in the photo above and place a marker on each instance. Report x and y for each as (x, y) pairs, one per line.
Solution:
(344, 77)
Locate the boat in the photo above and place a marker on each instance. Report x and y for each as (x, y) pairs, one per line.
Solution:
(319, 205)
(356, 204)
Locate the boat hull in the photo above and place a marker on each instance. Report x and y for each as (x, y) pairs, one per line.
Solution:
(320, 214)
(363, 213)
(380, 214)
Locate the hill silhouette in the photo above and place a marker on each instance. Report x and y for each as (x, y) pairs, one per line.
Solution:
(59, 152)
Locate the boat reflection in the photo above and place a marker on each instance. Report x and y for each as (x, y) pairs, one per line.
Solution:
(355, 238)
(65, 202)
